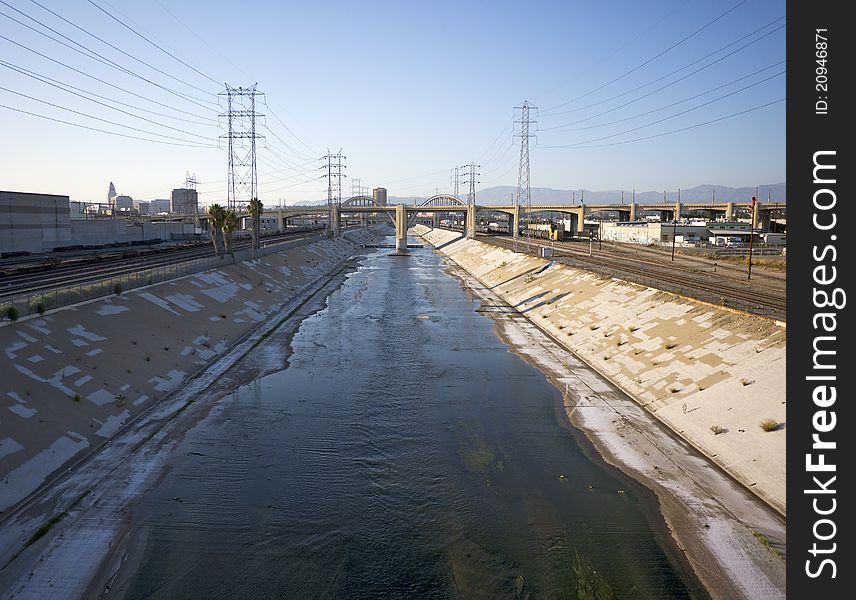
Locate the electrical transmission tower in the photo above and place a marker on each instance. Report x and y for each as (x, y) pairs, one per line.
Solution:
(241, 116)
(191, 200)
(334, 176)
(456, 180)
(471, 179)
(524, 190)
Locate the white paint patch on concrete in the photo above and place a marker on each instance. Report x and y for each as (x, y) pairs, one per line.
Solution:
(158, 301)
(222, 293)
(185, 301)
(112, 309)
(80, 331)
(9, 446)
(27, 337)
(12, 349)
(82, 380)
(112, 424)
(30, 474)
(101, 397)
(186, 350)
(15, 396)
(23, 411)
(79, 343)
(39, 325)
(170, 382)
(140, 400)
(95, 352)
(55, 381)
(50, 348)
(35, 358)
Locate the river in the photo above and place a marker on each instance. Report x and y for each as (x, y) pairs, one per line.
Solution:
(401, 452)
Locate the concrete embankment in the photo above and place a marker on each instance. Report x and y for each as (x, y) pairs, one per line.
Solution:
(710, 375)
(74, 377)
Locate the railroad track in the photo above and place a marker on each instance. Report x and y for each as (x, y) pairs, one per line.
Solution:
(687, 281)
(76, 274)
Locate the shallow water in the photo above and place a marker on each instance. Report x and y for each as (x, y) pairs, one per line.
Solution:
(403, 452)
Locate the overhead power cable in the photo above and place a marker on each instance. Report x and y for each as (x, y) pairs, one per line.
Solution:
(658, 135)
(147, 40)
(133, 137)
(83, 114)
(62, 85)
(636, 116)
(686, 66)
(158, 123)
(652, 59)
(107, 83)
(116, 48)
(683, 112)
(91, 54)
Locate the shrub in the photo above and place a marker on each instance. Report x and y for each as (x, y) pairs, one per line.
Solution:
(633, 328)
(77, 397)
(38, 306)
(117, 289)
(669, 345)
(594, 327)
(717, 429)
(745, 382)
(11, 313)
(769, 424)
(121, 399)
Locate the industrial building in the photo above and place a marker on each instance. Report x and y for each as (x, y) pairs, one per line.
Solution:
(379, 195)
(33, 222)
(37, 223)
(185, 201)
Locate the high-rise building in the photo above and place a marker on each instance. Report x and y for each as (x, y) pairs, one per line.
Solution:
(144, 206)
(161, 205)
(111, 195)
(185, 201)
(379, 195)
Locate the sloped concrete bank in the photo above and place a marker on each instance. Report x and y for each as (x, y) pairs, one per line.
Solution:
(75, 377)
(680, 364)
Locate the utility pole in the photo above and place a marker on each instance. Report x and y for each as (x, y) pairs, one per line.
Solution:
(524, 189)
(241, 116)
(674, 222)
(751, 237)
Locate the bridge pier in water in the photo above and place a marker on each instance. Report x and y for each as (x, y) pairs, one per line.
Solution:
(401, 229)
(470, 224)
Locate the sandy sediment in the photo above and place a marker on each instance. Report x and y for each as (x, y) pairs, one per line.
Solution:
(642, 343)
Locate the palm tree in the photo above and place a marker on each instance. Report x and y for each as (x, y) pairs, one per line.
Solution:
(230, 224)
(255, 209)
(216, 215)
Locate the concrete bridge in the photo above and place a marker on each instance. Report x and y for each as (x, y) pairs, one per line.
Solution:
(402, 216)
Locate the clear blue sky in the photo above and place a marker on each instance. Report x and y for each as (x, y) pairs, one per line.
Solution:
(407, 89)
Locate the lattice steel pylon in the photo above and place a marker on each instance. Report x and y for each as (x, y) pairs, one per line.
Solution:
(241, 117)
(471, 178)
(334, 168)
(524, 190)
(455, 176)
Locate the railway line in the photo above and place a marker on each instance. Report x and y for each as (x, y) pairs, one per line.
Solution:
(702, 285)
(76, 272)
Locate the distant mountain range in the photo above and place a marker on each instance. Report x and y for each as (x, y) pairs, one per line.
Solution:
(699, 193)
(504, 194)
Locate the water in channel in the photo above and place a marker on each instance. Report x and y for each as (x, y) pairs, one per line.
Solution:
(402, 452)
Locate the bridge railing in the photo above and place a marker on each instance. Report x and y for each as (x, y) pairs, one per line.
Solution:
(39, 301)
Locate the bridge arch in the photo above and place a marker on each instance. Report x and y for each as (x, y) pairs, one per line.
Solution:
(361, 201)
(442, 200)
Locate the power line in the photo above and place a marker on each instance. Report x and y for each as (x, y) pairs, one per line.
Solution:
(147, 40)
(688, 65)
(107, 83)
(103, 60)
(62, 85)
(636, 116)
(116, 48)
(294, 135)
(133, 137)
(658, 135)
(622, 47)
(653, 58)
(83, 114)
(683, 112)
(3, 63)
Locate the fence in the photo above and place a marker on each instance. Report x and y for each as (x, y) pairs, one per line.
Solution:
(39, 301)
